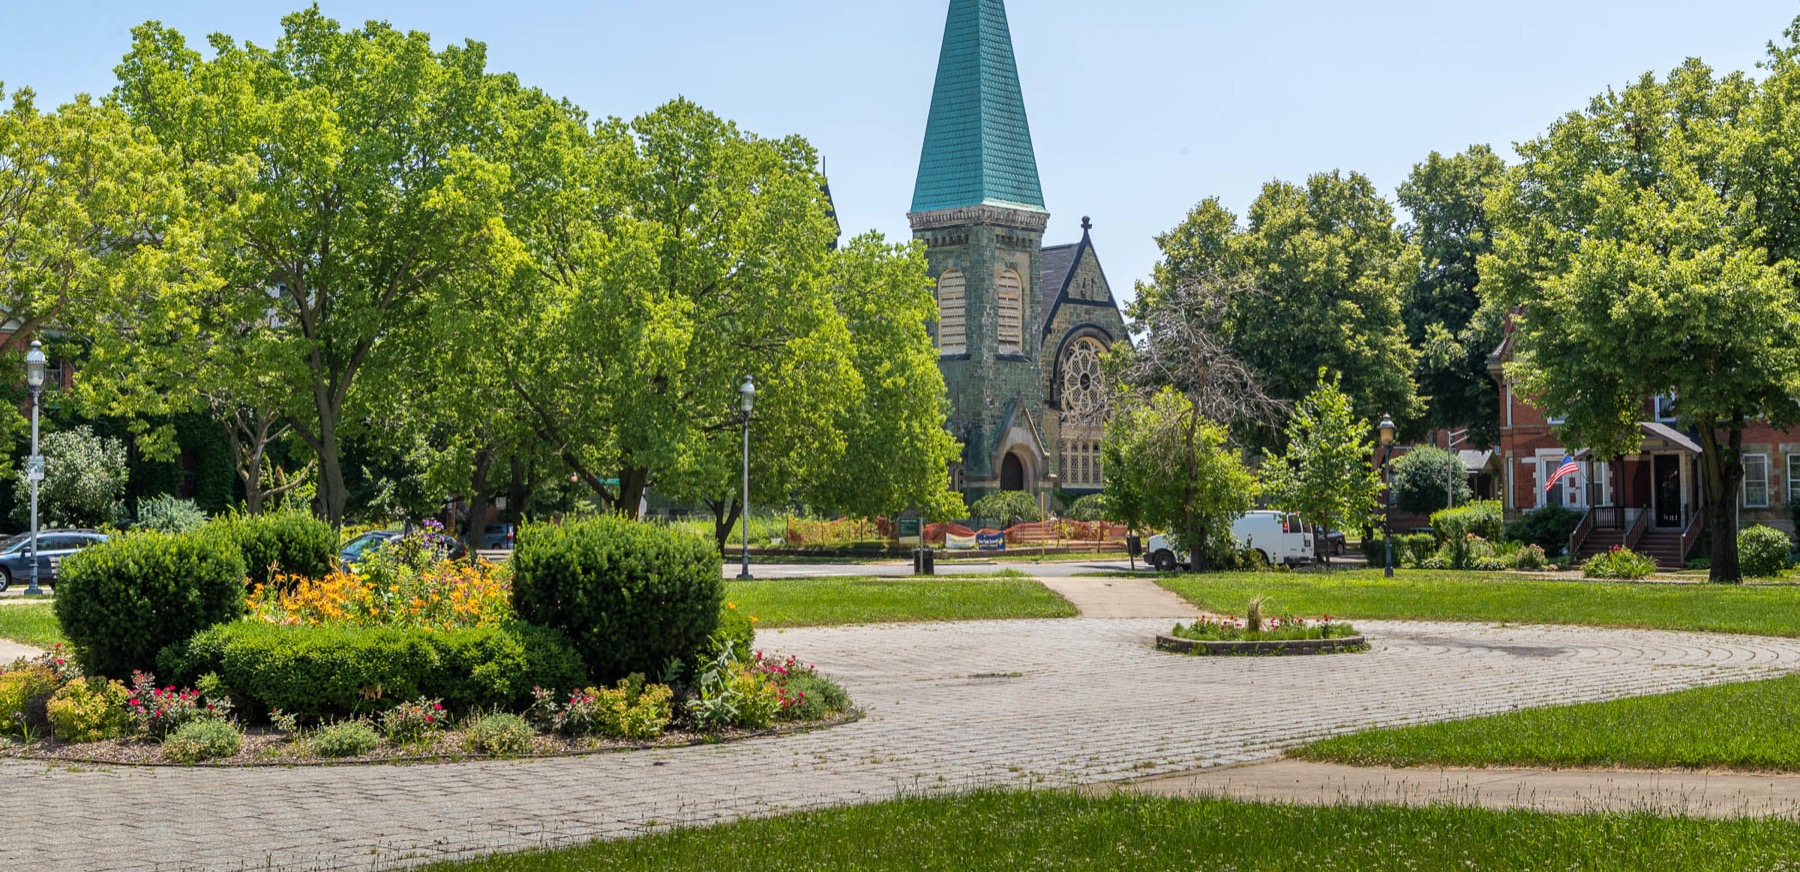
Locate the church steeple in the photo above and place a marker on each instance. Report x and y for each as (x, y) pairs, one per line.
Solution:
(977, 141)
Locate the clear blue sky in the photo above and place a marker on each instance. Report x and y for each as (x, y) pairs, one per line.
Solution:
(1139, 108)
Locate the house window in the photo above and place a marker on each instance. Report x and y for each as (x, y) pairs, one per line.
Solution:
(1572, 491)
(1756, 481)
(1665, 409)
(1081, 461)
(1010, 293)
(953, 337)
(1793, 479)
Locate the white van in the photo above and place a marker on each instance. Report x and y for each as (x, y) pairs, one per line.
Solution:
(1279, 537)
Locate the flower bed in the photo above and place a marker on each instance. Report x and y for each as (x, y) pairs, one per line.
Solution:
(56, 714)
(1256, 634)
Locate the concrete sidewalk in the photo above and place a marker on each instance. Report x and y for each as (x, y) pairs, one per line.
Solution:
(10, 651)
(1120, 598)
(1694, 794)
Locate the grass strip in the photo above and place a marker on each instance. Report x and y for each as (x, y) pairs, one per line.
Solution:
(33, 624)
(1731, 726)
(815, 602)
(1763, 610)
(1066, 831)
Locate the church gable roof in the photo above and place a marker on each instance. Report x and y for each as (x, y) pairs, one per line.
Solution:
(977, 139)
(1056, 272)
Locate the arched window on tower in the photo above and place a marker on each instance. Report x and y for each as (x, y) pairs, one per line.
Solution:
(952, 331)
(1079, 390)
(1010, 294)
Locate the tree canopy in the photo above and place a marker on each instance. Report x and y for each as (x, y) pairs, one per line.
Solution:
(1326, 266)
(1326, 475)
(1170, 467)
(1634, 245)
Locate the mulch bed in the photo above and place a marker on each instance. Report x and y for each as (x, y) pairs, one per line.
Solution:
(267, 747)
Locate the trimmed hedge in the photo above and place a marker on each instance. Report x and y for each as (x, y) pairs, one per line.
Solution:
(282, 543)
(320, 672)
(124, 600)
(1481, 518)
(633, 597)
(1548, 528)
(1409, 549)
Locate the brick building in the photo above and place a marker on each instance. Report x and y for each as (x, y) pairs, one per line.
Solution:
(1021, 325)
(1650, 501)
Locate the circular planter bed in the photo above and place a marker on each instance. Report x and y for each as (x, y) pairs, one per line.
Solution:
(272, 748)
(1341, 645)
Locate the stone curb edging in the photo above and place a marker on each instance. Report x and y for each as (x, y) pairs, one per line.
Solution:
(850, 716)
(1267, 647)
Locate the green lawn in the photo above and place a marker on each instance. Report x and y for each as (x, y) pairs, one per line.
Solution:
(1505, 597)
(812, 602)
(1058, 830)
(1732, 726)
(32, 624)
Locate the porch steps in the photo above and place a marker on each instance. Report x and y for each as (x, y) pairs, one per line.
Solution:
(1664, 546)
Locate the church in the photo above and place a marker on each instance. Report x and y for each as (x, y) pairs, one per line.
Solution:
(1021, 325)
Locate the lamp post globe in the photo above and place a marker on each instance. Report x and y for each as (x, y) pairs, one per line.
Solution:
(35, 365)
(746, 402)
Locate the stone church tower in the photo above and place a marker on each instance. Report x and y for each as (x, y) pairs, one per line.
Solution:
(1020, 326)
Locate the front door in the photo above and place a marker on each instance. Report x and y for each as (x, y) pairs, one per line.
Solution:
(1012, 473)
(1665, 471)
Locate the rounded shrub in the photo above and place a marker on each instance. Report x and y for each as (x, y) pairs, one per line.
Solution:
(205, 739)
(124, 600)
(499, 735)
(1763, 551)
(89, 710)
(345, 739)
(1422, 476)
(631, 596)
(1547, 528)
(280, 543)
(320, 672)
(24, 694)
(1620, 563)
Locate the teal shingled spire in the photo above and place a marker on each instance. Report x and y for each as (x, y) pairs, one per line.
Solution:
(977, 141)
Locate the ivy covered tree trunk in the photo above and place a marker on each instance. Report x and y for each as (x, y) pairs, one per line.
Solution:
(726, 512)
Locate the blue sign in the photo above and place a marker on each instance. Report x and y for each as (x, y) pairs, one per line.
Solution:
(990, 541)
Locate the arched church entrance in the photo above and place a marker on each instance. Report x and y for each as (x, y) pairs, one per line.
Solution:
(1012, 473)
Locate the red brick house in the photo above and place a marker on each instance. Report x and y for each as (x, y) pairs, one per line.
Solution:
(1651, 501)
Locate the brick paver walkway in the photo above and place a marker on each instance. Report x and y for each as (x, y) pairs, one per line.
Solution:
(951, 706)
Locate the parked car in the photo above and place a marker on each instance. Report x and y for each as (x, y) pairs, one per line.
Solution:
(1280, 538)
(362, 546)
(53, 546)
(358, 549)
(498, 537)
(1332, 543)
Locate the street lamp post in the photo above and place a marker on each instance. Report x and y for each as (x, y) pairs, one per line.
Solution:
(1044, 515)
(1387, 511)
(747, 395)
(34, 466)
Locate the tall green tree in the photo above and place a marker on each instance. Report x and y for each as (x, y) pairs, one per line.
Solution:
(1177, 470)
(1326, 475)
(897, 451)
(350, 180)
(667, 260)
(1633, 235)
(1328, 267)
(1450, 226)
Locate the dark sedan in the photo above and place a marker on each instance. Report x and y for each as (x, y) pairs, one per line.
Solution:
(358, 549)
(53, 546)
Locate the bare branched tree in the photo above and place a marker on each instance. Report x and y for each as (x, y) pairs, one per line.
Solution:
(1183, 345)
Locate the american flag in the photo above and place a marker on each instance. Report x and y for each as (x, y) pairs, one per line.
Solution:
(1569, 467)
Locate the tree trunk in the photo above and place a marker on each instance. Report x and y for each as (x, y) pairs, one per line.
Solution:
(517, 492)
(332, 495)
(725, 516)
(632, 481)
(1723, 467)
(478, 499)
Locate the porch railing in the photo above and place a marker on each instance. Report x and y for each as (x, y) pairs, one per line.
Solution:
(1691, 534)
(1579, 537)
(1638, 528)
